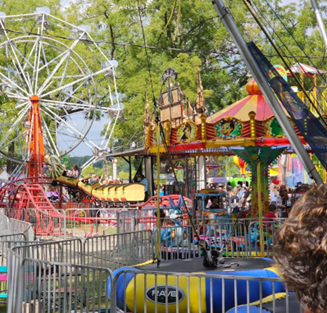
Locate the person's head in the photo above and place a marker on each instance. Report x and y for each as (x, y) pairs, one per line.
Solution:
(75, 167)
(214, 200)
(142, 177)
(283, 191)
(94, 176)
(272, 208)
(301, 249)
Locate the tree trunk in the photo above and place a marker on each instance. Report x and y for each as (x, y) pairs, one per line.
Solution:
(11, 152)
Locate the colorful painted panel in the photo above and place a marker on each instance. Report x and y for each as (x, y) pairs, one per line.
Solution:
(273, 128)
(186, 132)
(155, 137)
(229, 128)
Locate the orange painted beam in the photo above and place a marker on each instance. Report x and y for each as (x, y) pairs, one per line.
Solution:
(36, 147)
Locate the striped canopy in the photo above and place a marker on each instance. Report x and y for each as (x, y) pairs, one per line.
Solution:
(306, 70)
(254, 102)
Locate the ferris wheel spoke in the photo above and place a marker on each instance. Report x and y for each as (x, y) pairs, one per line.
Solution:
(52, 61)
(26, 61)
(45, 59)
(36, 65)
(64, 57)
(29, 137)
(3, 121)
(58, 119)
(15, 96)
(14, 116)
(8, 81)
(19, 118)
(106, 133)
(73, 131)
(30, 55)
(38, 56)
(48, 134)
(18, 66)
(16, 139)
(55, 104)
(87, 77)
(69, 105)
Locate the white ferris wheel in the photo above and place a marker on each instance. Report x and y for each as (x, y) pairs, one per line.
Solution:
(60, 65)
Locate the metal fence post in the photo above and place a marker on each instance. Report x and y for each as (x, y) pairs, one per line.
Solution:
(118, 222)
(133, 218)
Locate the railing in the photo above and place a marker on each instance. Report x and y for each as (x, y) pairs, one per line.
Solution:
(75, 275)
(117, 250)
(47, 286)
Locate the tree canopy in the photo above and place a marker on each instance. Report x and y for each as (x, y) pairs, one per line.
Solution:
(186, 35)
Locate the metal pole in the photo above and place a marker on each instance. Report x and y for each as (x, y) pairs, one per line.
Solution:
(130, 169)
(320, 22)
(282, 119)
(158, 196)
(187, 178)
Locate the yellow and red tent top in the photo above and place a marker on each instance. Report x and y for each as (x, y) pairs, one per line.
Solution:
(254, 102)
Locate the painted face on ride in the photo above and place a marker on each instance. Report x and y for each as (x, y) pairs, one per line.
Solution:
(187, 132)
(226, 129)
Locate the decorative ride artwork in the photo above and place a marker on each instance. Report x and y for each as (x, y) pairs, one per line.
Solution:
(155, 136)
(273, 128)
(186, 132)
(229, 128)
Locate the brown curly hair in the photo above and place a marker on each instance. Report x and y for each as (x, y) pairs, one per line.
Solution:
(301, 249)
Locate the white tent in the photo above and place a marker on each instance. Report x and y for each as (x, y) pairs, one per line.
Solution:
(4, 176)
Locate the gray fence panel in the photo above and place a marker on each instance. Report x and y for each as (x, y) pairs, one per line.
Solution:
(117, 250)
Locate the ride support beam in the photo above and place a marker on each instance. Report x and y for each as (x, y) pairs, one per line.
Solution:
(36, 149)
(148, 166)
(202, 175)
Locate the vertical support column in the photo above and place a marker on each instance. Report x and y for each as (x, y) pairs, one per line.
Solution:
(264, 173)
(106, 168)
(130, 169)
(186, 175)
(201, 171)
(254, 198)
(114, 169)
(148, 165)
(36, 148)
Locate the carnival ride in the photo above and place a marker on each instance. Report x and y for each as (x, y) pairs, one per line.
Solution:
(131, 295)
(56, 87)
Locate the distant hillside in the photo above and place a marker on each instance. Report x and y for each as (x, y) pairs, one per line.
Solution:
(70, 161)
